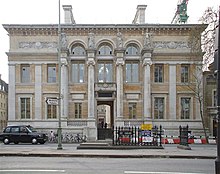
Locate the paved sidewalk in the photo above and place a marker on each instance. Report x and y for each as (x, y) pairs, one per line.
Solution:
(70, 150)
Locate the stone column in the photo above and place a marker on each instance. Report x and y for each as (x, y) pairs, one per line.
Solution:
(91, 81)
(11, 93)
(119, 81)
(172, 92)
(91, 121)
(38, 92)
(147, 86)
(64, 87)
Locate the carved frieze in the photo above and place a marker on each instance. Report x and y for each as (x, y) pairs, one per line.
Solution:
(170, 45)
(156, 44)
(38, 45)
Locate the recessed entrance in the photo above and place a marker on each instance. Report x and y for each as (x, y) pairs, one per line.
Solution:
(105, 119)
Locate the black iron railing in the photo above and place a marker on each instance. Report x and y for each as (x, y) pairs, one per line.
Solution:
(135, 136)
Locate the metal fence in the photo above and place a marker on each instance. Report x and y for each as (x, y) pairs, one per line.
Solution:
(135, 136)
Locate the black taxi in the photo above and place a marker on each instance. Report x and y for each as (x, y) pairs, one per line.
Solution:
(22, 134)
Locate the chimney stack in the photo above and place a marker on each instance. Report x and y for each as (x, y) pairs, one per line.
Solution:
(140, 15)
(68, 14)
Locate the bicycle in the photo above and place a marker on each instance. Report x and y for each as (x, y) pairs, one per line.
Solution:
(80, 139)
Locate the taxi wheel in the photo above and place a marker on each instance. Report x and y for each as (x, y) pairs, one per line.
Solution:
(34, 141)
(6, 141)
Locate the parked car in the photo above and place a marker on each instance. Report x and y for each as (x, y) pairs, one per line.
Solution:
(22, 134)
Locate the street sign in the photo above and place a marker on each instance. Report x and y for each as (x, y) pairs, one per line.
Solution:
(52, 101)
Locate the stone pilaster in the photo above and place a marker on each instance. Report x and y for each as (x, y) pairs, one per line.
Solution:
(64, 86)
(38, 92)
(11, 93)
(172, 91)
(147, 84)
(91, 81)
(119, 81)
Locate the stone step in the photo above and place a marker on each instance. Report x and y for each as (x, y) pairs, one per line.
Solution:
(94, 144)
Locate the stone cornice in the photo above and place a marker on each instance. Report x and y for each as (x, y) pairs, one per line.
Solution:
(53, 28)
(169, 54)
(31, 53)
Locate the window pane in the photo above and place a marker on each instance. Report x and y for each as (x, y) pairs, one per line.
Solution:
(101, 73)
(78, 110)
(132, 72)
(185, 108)
(78, 50)
(25, 108)
(158, 73)
(51, 74)
(54, 111)
(105, 50)
(128, 73)
(81, 73)
(132, 110)
(131, 50)
(77, 72)
(74, 73)
(51, 111)
(159, 108)
(214, 98)
(105, 73)
(28, 107)
(25, 74)
(184, 74)
(135, 73)
(108, 69)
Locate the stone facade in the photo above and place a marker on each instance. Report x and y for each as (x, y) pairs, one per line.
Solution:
(210, 100)
(137, 70)
(3, 104)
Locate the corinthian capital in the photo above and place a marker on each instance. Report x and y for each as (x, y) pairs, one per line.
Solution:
(63, 62)
(147, 62)
(91, 62)
(120, 62)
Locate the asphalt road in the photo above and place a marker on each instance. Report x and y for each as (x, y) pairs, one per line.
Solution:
(68, 165)
(64, 163)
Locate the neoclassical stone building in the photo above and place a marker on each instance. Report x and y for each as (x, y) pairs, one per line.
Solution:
(140, 72)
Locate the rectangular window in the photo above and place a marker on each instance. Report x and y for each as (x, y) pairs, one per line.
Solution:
(51, 111)
(77, 72)
(25, 108)
(25, 74)
(214, 98)
(51, 73)
(184, 73)
(78, 110)
(158, 73)
(159, 108)
(132, 110)
(132, 72)
(185, 108)
(105, 72)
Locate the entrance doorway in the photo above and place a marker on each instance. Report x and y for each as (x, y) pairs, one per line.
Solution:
(105, 119)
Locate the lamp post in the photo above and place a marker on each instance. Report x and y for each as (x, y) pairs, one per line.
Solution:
(217, 162)
(59, 130)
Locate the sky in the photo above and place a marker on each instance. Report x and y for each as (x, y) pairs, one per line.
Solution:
(89, 12)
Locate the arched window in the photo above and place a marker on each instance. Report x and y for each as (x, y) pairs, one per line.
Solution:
(132, 50)
(105, 50)
(78, 50)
